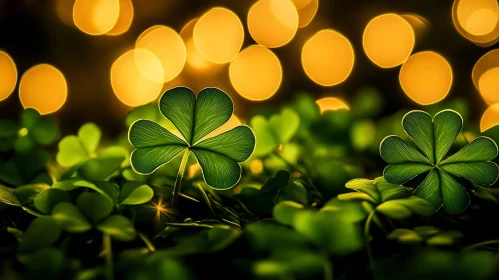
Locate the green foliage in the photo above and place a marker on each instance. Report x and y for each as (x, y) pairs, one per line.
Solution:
(429, 235)
(35, 130)
(434, 137)
(194, 118)
(275, 131)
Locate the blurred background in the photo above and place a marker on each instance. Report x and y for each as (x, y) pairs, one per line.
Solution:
(95, 60)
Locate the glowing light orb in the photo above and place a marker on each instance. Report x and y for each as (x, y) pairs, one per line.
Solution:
(426, 77)
(64, 11)
(137, 77)
(256, 166)
(273, 23)
(300, 4)
(327, 58)
(477, 20)
(8, 75)
(490, 118)
(485, 76)
(125, 18)
(478, 17)
(43, 87)
(307, 13)
(194, 59)
(331, 104)
(388, 40)
(230, 124)
(96, 17)
(218, 35)
(256, 73)
(167, 46)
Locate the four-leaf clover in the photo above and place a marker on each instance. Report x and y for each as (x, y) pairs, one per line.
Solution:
(194, 118)
(434, 137)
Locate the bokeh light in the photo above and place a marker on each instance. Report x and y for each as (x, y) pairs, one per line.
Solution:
(388, 40)
(8, 75)
(137, 77)
(125, 18)
(96, 17)
(331, 104)
(477, 20)
(273, 23)
(426, 77)
(327, 57)
(43, 87)
(490, 117)
(167, 46)
(256, 166)
(307, 13)
(300, 4)
(195, 59)
(219, 35)
(256, 73)
(64, 11)
(230, 124)
(485, 76)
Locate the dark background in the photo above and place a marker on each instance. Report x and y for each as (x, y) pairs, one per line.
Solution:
(32, 33)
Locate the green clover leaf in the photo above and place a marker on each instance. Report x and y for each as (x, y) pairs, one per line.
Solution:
(36, 130)
(194, 118)
(434, 137)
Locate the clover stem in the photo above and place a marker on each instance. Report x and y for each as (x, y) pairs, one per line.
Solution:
(328, 268)
(367, 226)
(106, 243)
(296, 168)
(478, 245)
(208, 202)
(180, 175)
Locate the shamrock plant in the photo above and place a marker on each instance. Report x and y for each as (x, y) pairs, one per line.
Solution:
(434, 137)
(194, 118)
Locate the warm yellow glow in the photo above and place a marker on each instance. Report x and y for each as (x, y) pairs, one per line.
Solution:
(96, 17)
(426, 77)
(490, 118)
(64, 10)
(273, 23)
(218, 35)
(43, 87)
(488, 85)
(478, 17)
(300, 4)
(485, 76)
(477, 20)
(255, 73)
(160, 208)
(230, 124)
(256, 166)
(125, 18)
(167, 46)
(307, 13)
(327, 57)
(137, 77)
(194, 58)
(193, 170)
(8, 75)
(388, 40)
(331, 104)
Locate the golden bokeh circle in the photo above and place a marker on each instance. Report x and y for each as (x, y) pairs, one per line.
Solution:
(485, 75)
(331, 104)
(44, 88)
(125, 18)
(426, 77)
(273, 23)
(167, 45)
(255, 73)
(388, 40)
(137, 77)
(8, 75)
(327, 57)
(218, 35)
(96, 17)
(477, 20)
(490, 117)
(307, 13)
